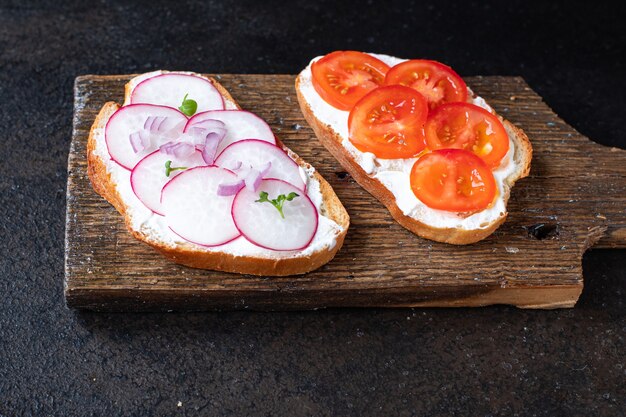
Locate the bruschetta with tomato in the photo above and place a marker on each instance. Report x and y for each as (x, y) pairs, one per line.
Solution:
(418, 139)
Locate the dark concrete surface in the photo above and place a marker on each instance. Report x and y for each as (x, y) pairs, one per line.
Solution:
(479, 362)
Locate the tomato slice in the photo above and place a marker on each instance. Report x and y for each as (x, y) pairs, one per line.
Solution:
(470, 127)
(453, 180)
(389, 122)
(436, 81)
(341, 78)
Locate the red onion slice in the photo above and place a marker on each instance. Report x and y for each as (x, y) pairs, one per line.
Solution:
(159, 123)
(255, 176)
(170, 130)
(211, 142)
(225, 190)
(251, 178)
(178, 149)
(154, 123)
(139, 141)
(199, 135)
(196, 135)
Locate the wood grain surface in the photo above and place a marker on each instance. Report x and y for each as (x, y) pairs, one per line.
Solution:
(574, 198)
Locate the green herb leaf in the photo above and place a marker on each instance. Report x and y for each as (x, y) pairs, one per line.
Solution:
(278, 201)
(262, 197)
(189, 106)
(169, 168)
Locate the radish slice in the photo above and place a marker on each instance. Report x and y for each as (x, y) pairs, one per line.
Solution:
(169, 90)
(194, 211)
(262, 224)
(256, 154)
(240, 125)
(129, 120)
(148, 177)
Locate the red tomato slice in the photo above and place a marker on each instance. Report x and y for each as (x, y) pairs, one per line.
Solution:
(437, 82)
(453, 180)
(341, 78)
(389, 122)
(467, 126)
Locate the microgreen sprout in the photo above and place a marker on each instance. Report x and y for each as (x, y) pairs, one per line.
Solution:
(189, 106)
(278, 201)
(169, 168)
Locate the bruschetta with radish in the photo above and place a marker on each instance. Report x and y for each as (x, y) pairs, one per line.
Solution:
(208, 184)
(418, 139)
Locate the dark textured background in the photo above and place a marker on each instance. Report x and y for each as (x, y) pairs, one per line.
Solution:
(479, 362)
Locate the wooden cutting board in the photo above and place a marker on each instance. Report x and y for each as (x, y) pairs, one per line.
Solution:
(574, 198)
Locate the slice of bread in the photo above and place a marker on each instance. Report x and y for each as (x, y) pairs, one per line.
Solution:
(109, 180)
(328, 124)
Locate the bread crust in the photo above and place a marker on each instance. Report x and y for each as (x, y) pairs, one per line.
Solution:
(194, 256)
(332, 141)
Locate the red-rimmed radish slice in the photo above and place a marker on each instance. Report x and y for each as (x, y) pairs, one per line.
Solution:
(148, 177)
(169, 89)
(256, 154)
(194, 211)
(239, 125)
(129, 120)
(262, 224)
